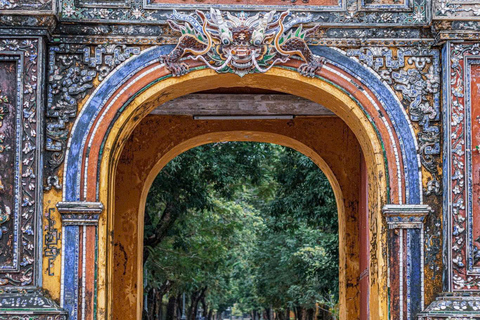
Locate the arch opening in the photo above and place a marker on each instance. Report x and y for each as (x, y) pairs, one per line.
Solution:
(241, 187)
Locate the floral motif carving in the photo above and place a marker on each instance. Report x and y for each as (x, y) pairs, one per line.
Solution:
(5, 212)
(5, 4)
(454, 9)
(21, 267)
(72, 70)
(460, 220)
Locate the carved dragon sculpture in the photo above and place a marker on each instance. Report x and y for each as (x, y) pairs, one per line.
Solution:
(239, 43)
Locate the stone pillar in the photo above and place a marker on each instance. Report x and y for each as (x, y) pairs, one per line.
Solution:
(461, 192)
(79, 257)
(22, 60)
(405, 241)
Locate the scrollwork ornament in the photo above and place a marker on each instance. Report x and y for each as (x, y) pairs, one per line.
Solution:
(72, 70)
(415, 74)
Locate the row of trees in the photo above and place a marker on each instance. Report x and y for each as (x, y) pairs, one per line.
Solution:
(247, 224)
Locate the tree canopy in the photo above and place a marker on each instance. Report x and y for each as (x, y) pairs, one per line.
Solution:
(242, 225)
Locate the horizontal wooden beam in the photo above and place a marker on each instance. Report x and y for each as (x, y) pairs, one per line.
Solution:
(242, 104)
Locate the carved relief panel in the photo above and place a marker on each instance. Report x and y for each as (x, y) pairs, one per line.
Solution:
(20, 143)
(462, 166)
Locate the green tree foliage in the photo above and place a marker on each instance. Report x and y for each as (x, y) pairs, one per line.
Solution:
(241, 224)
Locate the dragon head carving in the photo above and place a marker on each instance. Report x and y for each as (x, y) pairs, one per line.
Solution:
(240, 43)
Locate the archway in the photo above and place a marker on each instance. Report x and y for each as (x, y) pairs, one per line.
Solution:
(138, 166)
(361, 100)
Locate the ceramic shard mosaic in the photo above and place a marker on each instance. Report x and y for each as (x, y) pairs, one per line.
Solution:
(19, 76)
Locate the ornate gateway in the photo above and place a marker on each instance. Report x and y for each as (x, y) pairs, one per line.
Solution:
(78, 76)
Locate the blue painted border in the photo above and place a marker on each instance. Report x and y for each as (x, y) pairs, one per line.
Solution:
(70, 271)
(90, 112)
(446, 169)
(414, 274)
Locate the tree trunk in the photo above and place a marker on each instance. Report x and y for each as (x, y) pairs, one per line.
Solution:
(149, 309)
(267, 314)
(195, 298)
(172, 308)
(310, 313)
(299, 313)
(180, 306)
(205, 307)
(158, 305)
(304, 314)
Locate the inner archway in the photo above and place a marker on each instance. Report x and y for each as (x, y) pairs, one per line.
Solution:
(326, 140)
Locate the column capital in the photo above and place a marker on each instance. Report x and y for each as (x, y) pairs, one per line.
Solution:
(31, 303)
(453, 305)
(405, 216)
(80, 212)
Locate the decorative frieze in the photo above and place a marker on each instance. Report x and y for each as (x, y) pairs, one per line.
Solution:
(456, 9)
(453, 306)
(28, 304)
(28, 6)
(326, 12)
